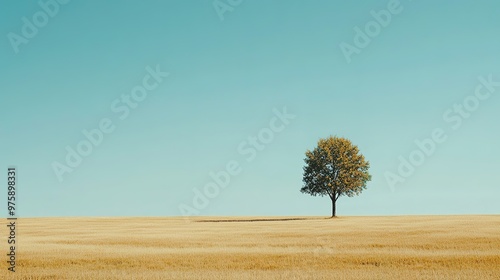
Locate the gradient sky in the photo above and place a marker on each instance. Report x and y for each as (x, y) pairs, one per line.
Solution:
(225, 79)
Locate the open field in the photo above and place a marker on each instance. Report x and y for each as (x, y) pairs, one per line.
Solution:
(407, 247)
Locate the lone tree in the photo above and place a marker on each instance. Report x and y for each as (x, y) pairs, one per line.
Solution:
(335, 168)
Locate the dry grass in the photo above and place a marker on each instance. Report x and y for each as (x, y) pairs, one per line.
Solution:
(410, 247)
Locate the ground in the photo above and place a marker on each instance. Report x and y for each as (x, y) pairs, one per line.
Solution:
(403, 247)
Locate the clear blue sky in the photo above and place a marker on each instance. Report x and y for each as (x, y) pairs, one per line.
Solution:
(226, 76)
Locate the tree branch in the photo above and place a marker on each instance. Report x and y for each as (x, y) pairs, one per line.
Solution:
(337, 196)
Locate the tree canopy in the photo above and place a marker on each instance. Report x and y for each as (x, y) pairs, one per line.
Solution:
(335, 168)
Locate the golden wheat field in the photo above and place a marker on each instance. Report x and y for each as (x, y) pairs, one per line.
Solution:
(406, 247)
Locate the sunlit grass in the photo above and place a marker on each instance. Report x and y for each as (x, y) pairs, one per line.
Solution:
(409, 247)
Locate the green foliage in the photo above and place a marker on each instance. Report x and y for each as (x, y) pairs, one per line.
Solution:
(335, 168)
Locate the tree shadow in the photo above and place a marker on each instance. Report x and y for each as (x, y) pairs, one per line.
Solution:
(256, 220)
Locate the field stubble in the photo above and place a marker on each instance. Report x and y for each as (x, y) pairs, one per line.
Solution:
(404, 247)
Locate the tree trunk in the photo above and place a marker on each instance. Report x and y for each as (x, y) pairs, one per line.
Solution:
(333, 208)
